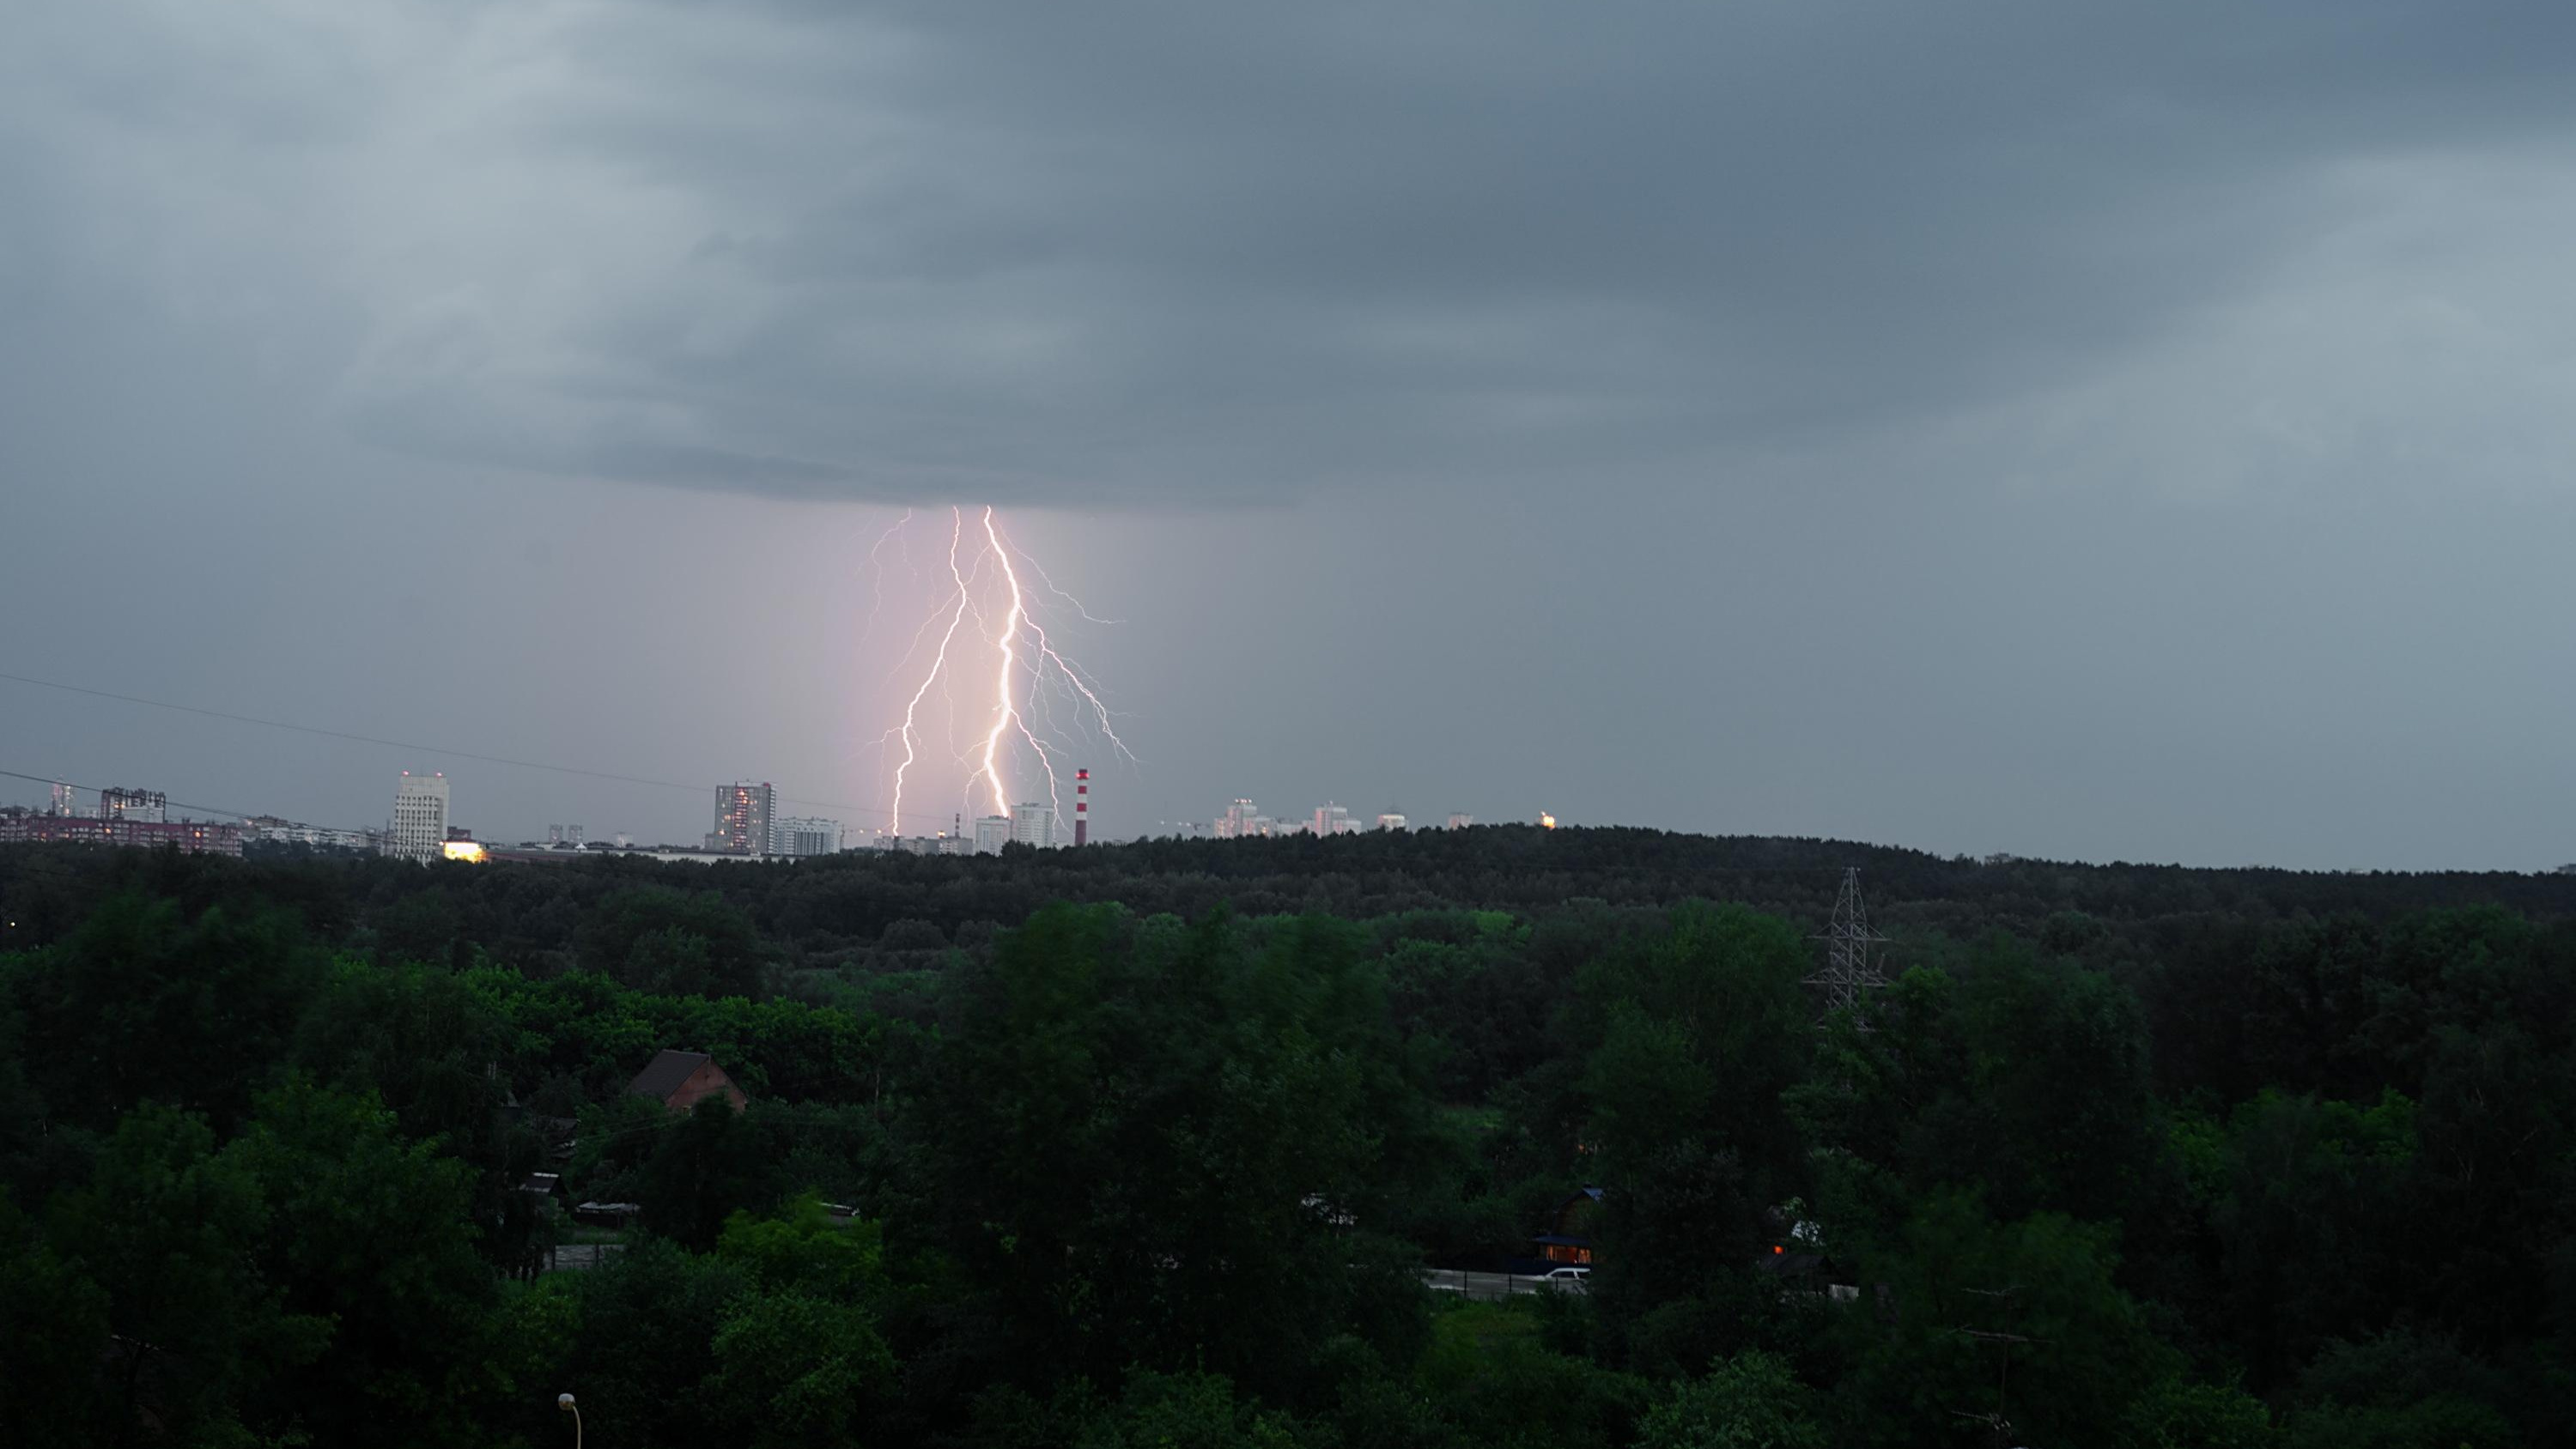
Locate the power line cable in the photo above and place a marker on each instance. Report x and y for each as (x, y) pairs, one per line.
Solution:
(279, 724)
(95, 789)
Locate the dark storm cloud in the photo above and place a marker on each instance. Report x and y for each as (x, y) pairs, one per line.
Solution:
(1127, 254)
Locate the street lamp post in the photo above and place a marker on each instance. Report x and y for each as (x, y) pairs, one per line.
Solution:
(564, 1402)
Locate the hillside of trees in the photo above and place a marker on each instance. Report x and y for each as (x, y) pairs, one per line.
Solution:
(1150, 1144)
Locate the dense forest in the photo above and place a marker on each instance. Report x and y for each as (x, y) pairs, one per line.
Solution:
(1152, 1144)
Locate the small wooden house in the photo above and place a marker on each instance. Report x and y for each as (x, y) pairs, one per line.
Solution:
(679, 1080)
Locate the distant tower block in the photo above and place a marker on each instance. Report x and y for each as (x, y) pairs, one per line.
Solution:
(1851, 971)
(1081, 808)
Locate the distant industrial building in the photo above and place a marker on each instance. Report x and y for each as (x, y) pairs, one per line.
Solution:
(744, 812)
(570, 835)
(800, 835)
(420, 817)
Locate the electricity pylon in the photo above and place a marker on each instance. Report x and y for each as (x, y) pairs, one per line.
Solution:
(1851, 969)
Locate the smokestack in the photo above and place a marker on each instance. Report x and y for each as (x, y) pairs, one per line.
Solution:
(1081, 808)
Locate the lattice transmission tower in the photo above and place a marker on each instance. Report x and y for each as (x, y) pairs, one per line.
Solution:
(1851, 964)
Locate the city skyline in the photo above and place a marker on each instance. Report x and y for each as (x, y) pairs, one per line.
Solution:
(2118, 436)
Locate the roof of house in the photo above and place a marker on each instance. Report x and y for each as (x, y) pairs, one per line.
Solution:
(666, 1072)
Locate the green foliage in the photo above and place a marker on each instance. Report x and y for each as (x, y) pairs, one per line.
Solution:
(2020, 1319)
(1751, 1401)
(706, 1167)
(1698, 1035)
(144, 1004)
(1155, 1172)
(161, 1231)
(2177, 1414)
(1185, 1411)
(796, 1368)
(373, 1235)
(673, 943)
(802, 1248)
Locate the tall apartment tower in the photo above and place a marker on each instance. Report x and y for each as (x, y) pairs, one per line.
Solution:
(1237, 822)
(420, 817)
(992, 832)
(1033, 824)
(744, 815)
(1332, 819)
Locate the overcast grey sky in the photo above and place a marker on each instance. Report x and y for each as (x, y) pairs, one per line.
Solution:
(2125, 432)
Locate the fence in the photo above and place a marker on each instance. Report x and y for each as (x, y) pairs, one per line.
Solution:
(1494, 1285)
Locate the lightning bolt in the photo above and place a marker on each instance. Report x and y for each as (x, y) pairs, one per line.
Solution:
(939, 662)
(1006, 711)
(1030, 677)
(1046, 651)
(876, 576)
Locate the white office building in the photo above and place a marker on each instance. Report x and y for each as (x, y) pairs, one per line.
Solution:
(1033, 824)
(796, 835)
(992, 832)
(1392, 820)
(420, 817)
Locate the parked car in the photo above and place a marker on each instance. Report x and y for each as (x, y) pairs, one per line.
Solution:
(1567, 1274)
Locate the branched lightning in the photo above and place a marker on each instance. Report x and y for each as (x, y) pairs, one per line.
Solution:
(876, 575)
(957, 526)
(1028, 668)
(1006, 710)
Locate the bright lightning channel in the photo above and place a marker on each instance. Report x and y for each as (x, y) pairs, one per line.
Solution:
(957, 526)
(1035, 656)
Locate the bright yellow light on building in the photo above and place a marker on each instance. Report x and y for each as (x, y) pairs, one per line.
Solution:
(471, 850)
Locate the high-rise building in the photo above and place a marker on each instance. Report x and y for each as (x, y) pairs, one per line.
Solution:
(992, 832)
(62, 804)
(1033, 824)
(743, 815)
(420, 817)
(149, 807)
(1391, 820)
(1460, 820)
(1332, 819)
(801, 835)
(1236, 823)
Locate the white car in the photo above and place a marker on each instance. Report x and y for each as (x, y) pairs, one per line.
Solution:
(1566, 1275)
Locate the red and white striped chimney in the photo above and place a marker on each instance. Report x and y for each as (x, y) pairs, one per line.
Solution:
(1081, 807)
